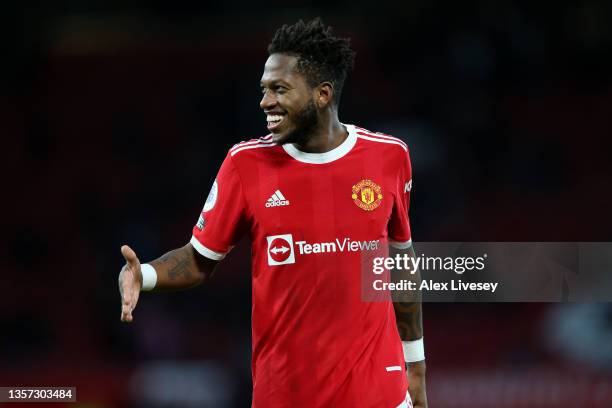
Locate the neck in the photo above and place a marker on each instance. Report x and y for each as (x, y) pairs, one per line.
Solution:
(328, 135)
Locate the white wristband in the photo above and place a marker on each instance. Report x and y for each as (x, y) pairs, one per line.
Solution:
(413, 350)
(149, 276)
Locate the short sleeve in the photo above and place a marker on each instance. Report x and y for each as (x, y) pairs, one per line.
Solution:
(400, 236)
(223, 219)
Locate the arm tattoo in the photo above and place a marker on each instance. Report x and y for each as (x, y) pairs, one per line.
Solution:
(409, 320)
(408, 311)
(179, 266)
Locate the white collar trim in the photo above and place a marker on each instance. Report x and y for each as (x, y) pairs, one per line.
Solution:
(327, 157)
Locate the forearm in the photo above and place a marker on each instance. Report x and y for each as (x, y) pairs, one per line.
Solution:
(408, 310)
(409, 318)
(182, 268)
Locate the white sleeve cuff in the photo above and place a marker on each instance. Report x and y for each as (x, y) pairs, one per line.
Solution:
(414, 350)
(208, 253)
(400, 245)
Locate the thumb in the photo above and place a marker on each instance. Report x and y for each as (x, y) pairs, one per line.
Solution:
(130, 256)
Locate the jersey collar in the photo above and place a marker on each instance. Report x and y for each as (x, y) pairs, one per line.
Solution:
(327, 157)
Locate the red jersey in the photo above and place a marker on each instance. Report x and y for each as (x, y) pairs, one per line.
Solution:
(310, 218)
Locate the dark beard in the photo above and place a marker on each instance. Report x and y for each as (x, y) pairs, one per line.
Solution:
(305, 121)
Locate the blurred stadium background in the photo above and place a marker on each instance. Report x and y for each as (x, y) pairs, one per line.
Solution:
(116, 117)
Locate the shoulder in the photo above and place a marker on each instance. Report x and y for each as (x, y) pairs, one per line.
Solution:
(251, 149)
(390, 145)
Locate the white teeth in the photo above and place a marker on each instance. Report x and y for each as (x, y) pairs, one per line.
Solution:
(274, 118)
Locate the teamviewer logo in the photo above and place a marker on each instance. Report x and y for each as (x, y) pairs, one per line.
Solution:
(280, 250)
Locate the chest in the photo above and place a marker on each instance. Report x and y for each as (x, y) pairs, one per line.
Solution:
(350, 199)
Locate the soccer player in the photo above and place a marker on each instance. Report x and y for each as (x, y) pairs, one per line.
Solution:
(314, 195)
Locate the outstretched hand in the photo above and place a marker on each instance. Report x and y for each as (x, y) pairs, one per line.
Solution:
(130, 282)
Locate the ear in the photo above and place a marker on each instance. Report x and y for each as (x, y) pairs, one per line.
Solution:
(324, 95)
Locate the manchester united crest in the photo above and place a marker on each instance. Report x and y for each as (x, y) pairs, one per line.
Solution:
(367, 195)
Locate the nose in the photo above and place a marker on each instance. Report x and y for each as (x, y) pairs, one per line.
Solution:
(268, 101)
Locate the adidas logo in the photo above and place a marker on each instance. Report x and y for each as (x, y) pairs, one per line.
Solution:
(277, 200)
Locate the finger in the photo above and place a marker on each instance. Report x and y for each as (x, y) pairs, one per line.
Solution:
(133, 301)
(126, 314)
(130, 256)
(126, 293)
(126, 317)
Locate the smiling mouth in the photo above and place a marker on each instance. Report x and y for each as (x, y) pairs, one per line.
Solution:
(274, 121)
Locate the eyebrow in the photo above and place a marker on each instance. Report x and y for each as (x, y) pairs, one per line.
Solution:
(274, 82)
